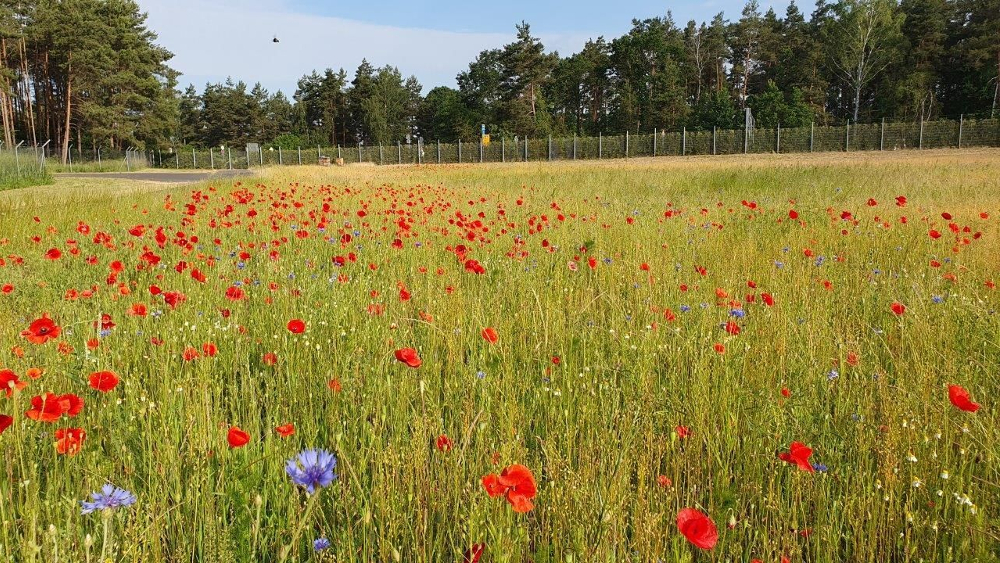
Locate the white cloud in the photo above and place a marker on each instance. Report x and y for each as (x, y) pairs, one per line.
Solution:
(215, 39)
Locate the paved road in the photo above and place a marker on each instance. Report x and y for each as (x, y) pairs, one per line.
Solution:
(170, 177)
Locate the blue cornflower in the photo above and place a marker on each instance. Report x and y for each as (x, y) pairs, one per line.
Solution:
(834, 374)
(685, 308)
(779, 265)
(481, 374)
(820, 467)
(241, 265)
(108, 498)
(937, 299)
(312, 469)
(820, 260)
(321, 544)
(738, 313)
(104, 333)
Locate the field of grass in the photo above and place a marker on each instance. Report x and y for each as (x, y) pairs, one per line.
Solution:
(665, 330)
(21, 171)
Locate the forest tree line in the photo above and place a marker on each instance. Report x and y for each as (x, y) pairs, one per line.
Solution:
(88, 73)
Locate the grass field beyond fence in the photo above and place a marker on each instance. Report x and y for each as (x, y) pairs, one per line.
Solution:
(642, 337)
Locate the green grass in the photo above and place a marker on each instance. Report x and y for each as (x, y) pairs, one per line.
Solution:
(597, 429)
(21, 171)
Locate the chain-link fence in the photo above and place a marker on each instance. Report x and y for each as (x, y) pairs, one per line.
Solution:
(848, 137)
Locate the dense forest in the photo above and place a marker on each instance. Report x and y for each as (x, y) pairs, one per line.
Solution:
(83, 74)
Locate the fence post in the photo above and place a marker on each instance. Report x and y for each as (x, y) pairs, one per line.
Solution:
(359, 152)
(777, 142)
(746, 137)
(961, 122)
(260, 155)
(812, 135)
(439, 151)
(684, 141)
(550, 147)
(299, 150)
(574, 146)
(526, 148)
(159, 157)
(480, 149)
(99, 150)
(420, 150)
(399, 152)
(713, 141)
(211, 156)
(654, 141)
(847, 138)
(228, 150)
(881, 138)
(600, 145)
(460, 151)
(920, 142)
(177, 160)
(626, 144)
(194, 159)
(380, 160)
(281, 161)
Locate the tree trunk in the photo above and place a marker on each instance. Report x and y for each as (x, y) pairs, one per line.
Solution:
(69, 107)
(4, 93)
(27, 93)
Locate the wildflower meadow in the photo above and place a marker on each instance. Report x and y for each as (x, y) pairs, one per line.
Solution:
(763, 358)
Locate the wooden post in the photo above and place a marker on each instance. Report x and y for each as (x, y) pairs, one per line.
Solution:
(260, 154)
(177, 159)
(574, 146)
(847, 137)
(920, 141)
(526, 148)
(194, 159)
(654, 141)
(299, 149)
(281, 161)
(460, 150)
(600, 146)
(381, 160)
(229, 152)
(550, 147)
(812, 135)
(439, 150)
(961, 123)
(399, 152)
(503, 149)
(211, 157)
(714, 152)
(359, 152)
(777, 143)
(480, 150)
(626, 144)
(881, 136)
(684, 141)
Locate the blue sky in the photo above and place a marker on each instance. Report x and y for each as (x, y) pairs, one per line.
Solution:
(433, 41)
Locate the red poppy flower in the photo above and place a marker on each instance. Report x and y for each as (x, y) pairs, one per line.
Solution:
(236, 437)
(516, 484)
(473, 554)
(960, 398)
(41, 330)
(5, 422)
(490, 335)
(732, 328)
(409, 357)
(798, 453)
(444, 443)
(682, 432)
(103, 381)
(698, 528)
(10, 383)
(53, 254)
(768, 299)
(898, 308)
(285, 430)
(45, 409)
(138, 310)
(934, 234)
(296, 326)
(270, 358)
(34, 373)
(71, 404)
(664, 481)
(69, 441)
(210, 349)
(7, 289)
(235, 294)
(190, 354)
(785, 392)
(334, 385)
